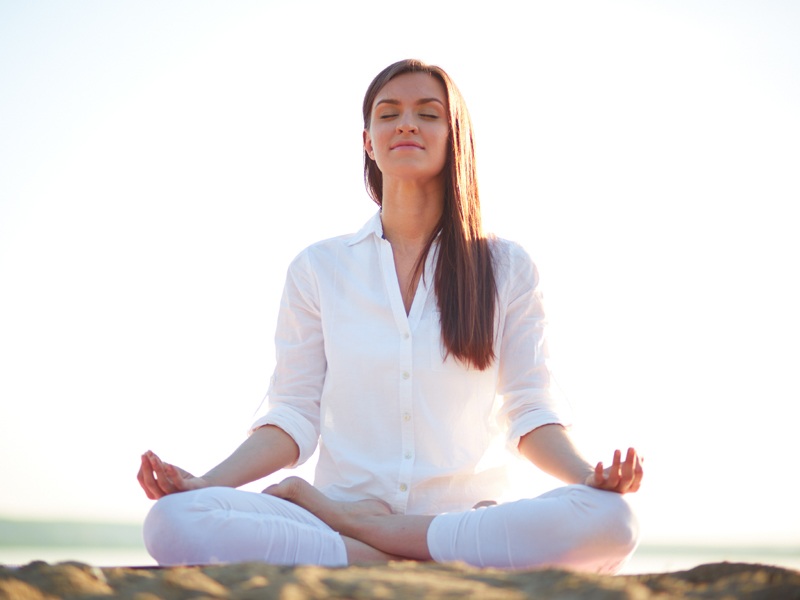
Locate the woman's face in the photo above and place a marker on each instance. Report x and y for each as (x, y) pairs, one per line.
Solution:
(409, 131)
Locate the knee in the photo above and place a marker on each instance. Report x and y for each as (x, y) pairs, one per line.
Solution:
(167, 527)
(621, 524)
(613, 532)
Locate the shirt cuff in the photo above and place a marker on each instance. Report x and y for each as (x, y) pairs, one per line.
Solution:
(300, 430)
(530, 421)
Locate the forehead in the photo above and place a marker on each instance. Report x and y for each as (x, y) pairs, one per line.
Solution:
(410, 87)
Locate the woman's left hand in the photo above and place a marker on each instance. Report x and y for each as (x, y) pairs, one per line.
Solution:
(621, 477)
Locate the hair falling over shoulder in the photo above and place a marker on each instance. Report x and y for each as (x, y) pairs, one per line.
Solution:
(464, 281)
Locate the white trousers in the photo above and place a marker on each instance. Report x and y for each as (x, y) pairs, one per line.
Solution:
(575, 527)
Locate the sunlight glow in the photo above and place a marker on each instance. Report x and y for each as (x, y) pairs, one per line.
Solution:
(161, 166)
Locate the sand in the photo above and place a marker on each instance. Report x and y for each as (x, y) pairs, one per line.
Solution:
(39, 581)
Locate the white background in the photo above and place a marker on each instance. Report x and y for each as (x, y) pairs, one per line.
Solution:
(162, 162)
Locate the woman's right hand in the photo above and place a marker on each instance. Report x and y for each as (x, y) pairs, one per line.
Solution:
(159, 479)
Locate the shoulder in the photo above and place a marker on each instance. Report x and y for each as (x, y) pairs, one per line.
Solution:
(335, 247)
(512, 263)
(332, 245)
(320, 252)
(332, 254)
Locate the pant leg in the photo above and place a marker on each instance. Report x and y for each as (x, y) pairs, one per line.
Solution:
(222, 525)
(575, 527)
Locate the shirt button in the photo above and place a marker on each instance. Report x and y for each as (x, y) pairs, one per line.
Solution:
(407, 455)
(406, 374)
(406, 416)
(403, 487)
(406, 336)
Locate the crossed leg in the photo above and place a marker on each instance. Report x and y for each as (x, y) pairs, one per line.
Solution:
(571, 527)
(574, 527)
(368, 521)
(223, 525)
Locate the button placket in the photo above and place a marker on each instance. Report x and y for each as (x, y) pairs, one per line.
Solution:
(406, 418)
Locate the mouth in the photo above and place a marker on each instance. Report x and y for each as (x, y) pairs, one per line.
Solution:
(409, 144)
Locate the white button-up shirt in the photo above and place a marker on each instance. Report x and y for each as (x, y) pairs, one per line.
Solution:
(393, 419)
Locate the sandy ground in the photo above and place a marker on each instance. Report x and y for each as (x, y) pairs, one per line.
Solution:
(39, 580)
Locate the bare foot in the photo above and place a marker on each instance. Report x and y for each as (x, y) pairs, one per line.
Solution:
(344, 517)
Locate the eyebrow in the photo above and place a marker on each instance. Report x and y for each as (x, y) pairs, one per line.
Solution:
(394, 102)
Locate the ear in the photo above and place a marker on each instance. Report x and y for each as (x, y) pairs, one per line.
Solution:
(368, 145)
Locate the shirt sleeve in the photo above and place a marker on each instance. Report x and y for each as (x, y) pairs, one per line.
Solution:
(524, 375)
(296, 385)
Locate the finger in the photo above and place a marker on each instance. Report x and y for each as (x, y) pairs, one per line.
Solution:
(638, 473)
(140, 477)
(147, 480)
(162, 479)
(632, 472)
(145, 477)
(153, 476)
(599, 473)
(597, 478)
(175, 478)
(627, 472)
(165, 476)
(613, 474)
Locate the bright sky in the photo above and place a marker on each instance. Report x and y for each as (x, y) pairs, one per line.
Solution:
(162, 162)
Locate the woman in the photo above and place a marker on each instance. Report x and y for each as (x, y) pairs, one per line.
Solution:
(403, 350)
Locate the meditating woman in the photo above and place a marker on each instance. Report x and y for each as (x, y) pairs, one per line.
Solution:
(404, 352)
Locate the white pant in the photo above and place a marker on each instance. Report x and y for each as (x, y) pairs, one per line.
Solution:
(575, 527)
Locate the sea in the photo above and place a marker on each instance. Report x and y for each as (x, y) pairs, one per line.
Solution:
(115, 545)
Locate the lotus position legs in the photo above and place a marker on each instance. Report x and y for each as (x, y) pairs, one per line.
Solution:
(574, 527)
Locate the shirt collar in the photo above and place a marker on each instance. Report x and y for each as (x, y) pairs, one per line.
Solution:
(371, 227)
(375, 227)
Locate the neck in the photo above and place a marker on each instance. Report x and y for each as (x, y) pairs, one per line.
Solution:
(410, 213)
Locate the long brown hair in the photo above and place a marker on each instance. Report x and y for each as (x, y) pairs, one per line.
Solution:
(464, 281)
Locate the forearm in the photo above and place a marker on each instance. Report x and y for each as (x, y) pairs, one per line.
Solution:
(268, 449)
(551, 449)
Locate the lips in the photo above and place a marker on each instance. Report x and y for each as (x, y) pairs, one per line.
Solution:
(406, 144)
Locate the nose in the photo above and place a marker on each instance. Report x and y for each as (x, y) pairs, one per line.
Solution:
(407, 124)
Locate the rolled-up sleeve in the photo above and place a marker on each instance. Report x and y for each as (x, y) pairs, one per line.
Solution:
(524, 375)
(297, 382)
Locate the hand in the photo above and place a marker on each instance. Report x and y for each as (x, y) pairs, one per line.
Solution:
(158, 478)
(620, 477)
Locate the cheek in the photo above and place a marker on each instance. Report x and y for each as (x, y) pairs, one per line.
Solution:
(444, 138)
(444, 146)
(380, 141)
(373, 134)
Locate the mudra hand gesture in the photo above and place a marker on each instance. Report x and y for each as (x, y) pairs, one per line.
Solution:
(159, 479)
(620, 477)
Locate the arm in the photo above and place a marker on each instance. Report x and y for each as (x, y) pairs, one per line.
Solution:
(267, 450)
(288, 435)
(551, 449)
(533, 416)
